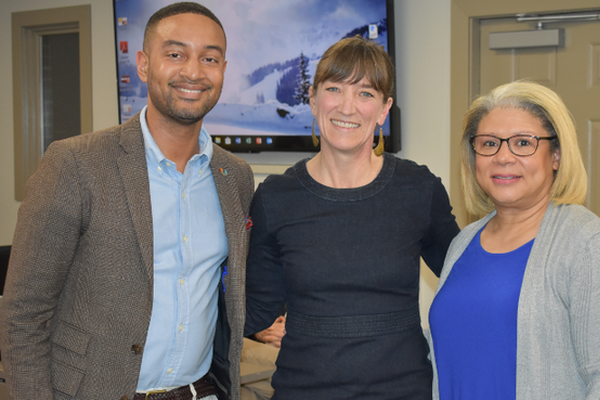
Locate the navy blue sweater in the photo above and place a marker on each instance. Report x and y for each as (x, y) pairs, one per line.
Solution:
(346, 264)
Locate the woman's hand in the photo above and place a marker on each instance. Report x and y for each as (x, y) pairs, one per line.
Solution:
(273, 335)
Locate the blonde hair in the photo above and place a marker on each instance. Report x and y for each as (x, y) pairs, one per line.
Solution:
(570, 181)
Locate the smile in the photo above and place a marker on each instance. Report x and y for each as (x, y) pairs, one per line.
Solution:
(505, 178)
(190, 91)
(343, 124)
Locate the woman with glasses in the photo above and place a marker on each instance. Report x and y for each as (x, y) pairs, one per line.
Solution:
(517, 310)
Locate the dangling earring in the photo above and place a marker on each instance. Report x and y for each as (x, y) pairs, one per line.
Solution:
(379, 149)
(314, 137)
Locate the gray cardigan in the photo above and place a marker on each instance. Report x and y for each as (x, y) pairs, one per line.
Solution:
(558, 326)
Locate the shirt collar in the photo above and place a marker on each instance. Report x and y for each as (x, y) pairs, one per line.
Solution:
(152, 149)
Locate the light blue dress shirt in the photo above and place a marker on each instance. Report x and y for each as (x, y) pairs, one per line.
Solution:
(189, 247)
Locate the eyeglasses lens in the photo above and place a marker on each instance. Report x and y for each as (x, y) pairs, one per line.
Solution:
(520, 145)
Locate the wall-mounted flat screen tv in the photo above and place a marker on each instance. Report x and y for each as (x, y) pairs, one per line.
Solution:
(273, 47)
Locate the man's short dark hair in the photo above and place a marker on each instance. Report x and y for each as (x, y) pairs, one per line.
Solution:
(185, 7)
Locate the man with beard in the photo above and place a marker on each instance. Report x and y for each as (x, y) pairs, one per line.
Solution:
(126, 278)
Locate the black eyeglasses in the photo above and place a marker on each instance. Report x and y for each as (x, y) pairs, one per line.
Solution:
(519, 145)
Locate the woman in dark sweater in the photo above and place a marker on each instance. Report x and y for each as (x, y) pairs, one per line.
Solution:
(338, 239)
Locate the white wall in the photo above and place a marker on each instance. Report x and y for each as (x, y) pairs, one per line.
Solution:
(423, 80)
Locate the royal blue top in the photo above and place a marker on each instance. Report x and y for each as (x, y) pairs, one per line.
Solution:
(473, 322)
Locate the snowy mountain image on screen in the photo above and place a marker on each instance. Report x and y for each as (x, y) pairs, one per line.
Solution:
(276, 100)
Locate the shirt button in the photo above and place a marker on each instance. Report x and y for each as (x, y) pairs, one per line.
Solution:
(200, 172)
(181, 281)
(170, 370)
(168, 164)
(185, 239)
(136, 349)
(180, 328)
(159, 168)
(183, 195)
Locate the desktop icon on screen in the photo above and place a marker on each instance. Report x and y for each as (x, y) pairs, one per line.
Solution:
(373, 31)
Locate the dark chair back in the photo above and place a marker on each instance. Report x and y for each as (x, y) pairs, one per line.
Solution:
(4, 256)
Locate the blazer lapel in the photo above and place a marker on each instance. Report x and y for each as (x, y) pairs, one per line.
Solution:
(134, 175)
(229, 197)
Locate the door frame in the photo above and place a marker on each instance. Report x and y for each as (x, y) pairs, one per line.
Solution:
(27, 29)
(464, 66)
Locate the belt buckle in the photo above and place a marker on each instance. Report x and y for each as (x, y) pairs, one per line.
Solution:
(154, 392)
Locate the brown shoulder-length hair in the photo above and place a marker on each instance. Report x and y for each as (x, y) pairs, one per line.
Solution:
(570, 181)
(351, 59)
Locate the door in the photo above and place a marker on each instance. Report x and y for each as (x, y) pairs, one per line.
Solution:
(572, 71)
(52, 82)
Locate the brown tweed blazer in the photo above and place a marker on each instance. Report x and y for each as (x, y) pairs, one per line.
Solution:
(78, 295)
